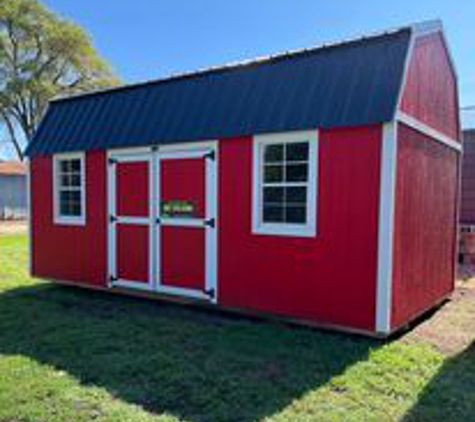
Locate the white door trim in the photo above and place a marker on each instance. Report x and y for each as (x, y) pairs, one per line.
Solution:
(154, 156)
(113, 219)
(184, 151)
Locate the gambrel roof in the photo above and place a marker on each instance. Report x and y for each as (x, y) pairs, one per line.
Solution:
(355, 82)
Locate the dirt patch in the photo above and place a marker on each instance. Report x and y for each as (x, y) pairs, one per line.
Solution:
(452, 328)
(13, 227)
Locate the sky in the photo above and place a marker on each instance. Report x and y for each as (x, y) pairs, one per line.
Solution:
(148, 39)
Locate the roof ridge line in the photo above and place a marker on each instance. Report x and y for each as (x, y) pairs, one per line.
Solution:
(247, 62)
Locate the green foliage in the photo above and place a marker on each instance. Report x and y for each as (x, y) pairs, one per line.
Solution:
(69, 354)
(42, 56)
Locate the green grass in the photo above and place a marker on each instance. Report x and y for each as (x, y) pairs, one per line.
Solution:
(68, 354)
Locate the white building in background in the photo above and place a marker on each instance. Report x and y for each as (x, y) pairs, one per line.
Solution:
(13, 188)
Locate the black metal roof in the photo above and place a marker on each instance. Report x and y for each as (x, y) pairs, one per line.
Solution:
(347, 84)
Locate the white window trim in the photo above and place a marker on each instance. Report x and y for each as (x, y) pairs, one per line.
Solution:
(284, 229)
(68, 220)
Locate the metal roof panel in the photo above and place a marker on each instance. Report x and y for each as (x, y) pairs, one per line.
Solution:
(349, 84)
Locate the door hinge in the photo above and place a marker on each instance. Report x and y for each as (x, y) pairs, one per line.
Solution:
(210, 223)
(210, 292)
(210, 155)
(154, 148)
(112, 218)
(158, 220)
(112, 161)
(112, 278)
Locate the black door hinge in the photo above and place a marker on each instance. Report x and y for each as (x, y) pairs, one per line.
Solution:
(210, 155)
(210, 292)
(112, 161)
(158, 220)
(112, 218)
(210, 223)
(154, 148)
(112, 278)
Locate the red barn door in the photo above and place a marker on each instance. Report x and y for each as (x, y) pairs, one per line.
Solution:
(131, 221)
(162, 229)
(186, 235)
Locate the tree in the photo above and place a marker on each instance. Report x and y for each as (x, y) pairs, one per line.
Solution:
(41, 56)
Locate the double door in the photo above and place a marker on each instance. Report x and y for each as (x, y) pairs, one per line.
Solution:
(162, 220)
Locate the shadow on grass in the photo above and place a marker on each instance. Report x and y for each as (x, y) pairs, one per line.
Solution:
(450, 395)
(193, 364)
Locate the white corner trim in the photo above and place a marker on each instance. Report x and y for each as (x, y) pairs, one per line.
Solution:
(66, 220)
(281, 229)
(29, 215)
(429, 131)
(386, 228)
(407, 62)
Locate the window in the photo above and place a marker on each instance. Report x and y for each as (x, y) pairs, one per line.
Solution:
(69, 197)
(285, 184)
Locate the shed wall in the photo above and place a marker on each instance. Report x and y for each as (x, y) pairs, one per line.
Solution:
(425, 224)
(65, 252)
(330, 278)
(467, 204)
(430, 94)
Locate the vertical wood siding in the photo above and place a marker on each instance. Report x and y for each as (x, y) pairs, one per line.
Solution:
(330, 278)
(430, 94)
(425, 224)
(467, 204)
(75, 253)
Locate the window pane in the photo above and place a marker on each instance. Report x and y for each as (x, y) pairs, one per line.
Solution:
(273, 195)
(64, 208)
(273, 214)
(75, 180)
(75, 196)
(295, 214)
(70, 203)
(297, 151)
(65, 166)
(296, 195)
(75, 165)
(273, 173)
(65, 180)
(296, 172)
(274, 153)
(75, 209)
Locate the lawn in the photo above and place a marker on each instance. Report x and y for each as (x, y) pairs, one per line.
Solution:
(68, 354)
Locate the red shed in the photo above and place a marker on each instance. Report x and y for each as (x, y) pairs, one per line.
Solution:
(319, 185)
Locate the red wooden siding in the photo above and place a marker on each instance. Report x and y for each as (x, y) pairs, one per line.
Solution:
(133, 252)
(76, 253)
(183, 257)
(132, 189)
(330, 278)
(184, 180)
(430, 94)
(425, 224)
(467, 203)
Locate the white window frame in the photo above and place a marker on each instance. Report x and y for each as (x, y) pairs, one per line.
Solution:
(309, 229)
(63, 219)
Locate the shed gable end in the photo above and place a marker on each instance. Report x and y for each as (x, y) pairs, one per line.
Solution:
(430, 92)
